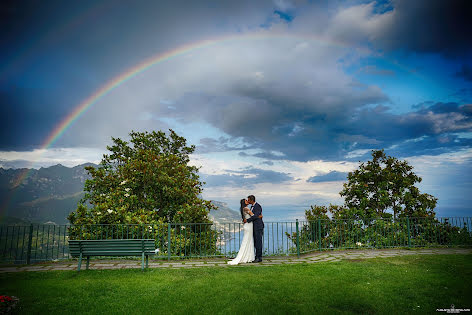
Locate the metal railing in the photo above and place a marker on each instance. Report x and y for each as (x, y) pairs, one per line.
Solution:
(36, 243)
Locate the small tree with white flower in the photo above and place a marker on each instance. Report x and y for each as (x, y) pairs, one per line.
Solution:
(146, 181)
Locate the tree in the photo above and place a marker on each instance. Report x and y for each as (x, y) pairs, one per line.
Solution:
(147, 180)
(386, 183)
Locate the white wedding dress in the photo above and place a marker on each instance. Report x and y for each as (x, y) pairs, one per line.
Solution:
(246, 251)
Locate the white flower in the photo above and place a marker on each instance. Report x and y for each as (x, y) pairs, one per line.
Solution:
(182, 227)
(156, 250)
(110, 211)
(126, 195)
(123, 182)
(359, 244)
(127, 189)
(98, 212)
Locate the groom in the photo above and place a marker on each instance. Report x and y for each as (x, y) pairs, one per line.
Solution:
(258, 225)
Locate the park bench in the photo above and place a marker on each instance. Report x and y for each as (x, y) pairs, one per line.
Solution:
(129, 247)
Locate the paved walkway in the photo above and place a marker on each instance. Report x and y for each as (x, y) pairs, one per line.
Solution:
(326, 256)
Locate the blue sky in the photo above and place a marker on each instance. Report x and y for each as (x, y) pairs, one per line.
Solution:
(295, 96)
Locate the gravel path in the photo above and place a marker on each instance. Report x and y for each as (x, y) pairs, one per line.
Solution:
(326, 256)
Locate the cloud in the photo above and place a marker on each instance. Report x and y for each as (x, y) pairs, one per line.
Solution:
(208, 145)
(329, 177)
(465, 72)
(246, 178)
(284, 5)
(283, 90)
(421, 26)
(47, 157)
(373, 70)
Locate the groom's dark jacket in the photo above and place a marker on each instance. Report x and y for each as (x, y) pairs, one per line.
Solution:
(258, 223)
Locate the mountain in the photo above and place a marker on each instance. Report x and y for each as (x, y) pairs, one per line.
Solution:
(224, 214)
(50, 194)
(47, 194)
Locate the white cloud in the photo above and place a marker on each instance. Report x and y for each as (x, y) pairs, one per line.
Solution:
(283, 5)
(47, 157)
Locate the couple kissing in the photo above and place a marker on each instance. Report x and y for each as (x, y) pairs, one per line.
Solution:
(251, 246)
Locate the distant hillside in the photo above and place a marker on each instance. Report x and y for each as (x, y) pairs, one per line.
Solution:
(50, 194)
(47, 194)
(224, 214)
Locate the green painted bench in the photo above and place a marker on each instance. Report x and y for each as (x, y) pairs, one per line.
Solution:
(130, 247)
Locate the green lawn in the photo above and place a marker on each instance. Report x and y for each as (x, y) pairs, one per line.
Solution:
(409, 284)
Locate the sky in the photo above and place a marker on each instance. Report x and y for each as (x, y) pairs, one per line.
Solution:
(281, 98)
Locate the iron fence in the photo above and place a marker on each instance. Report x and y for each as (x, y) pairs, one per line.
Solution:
(36, 243)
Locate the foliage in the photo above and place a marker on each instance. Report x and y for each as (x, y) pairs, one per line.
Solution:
(146, 181)
(380, 185)
(386, 183)
(336, 227)
(322, 232)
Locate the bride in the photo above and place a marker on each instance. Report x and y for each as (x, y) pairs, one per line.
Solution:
(246, 251)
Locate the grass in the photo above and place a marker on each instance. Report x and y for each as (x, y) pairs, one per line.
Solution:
(397, 285)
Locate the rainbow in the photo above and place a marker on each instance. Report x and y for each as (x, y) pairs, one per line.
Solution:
(132, 72)
(80, 109)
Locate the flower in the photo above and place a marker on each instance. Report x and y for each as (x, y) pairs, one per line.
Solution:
(98, 212)
(126, 195)
(123, 182)
(359, 244)
(156, 250)
(127, 189)
(182, 227)
(7, 303)
(110, 211)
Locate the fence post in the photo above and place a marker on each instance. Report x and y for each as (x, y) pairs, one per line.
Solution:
(30, 241)
(408, 227)
(319, 232)
(168, 241)
(298, 239)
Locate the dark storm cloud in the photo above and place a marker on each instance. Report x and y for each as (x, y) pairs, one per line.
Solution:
(246, 178)
(430, 26)
(437, 119)
(79, 46)
(465, 72)
(431, 145)
(424, 26)
(329, 177)
(25, 122)
(284, 134)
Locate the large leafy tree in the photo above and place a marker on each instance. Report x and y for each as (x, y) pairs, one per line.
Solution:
(386, 183)
(146, 180)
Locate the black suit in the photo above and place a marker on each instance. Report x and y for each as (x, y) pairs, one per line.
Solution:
(258, 229)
